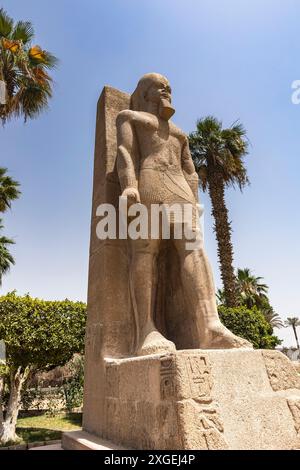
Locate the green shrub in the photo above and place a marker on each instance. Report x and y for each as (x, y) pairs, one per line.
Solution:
(39, 335)
(73, 386)
(249, 324)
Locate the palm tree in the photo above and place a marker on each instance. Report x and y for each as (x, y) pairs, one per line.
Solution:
(220, 297)
(6, 259)
(272, 317)
(218, 157)
(294, 322)
(250, 288)
(253, 293)
(8, 190)
(23, 70)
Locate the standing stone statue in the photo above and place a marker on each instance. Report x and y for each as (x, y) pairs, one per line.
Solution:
(155, 167)
(161, 371)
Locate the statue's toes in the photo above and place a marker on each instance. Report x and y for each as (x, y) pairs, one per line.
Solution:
(222, 338)
(155, 343)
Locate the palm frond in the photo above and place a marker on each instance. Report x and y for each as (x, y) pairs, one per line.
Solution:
(23, 31)
(31, 100)
(24, 71)
(6, 258)
(6, 24)
(292, 321)
(221, 150)
(272, 317)
(251, 290)
(221, 299)
(50, 61)
(9, 190)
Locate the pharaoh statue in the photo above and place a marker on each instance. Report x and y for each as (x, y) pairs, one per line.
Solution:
(161, 371)
(154, 166)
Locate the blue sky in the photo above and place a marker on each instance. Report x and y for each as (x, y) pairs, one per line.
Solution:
(228, 58)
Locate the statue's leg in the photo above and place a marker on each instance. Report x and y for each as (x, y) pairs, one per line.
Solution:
(199, 290)
(143, 284)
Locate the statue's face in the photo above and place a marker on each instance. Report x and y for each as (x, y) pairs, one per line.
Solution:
(159, 93)
(159, 90)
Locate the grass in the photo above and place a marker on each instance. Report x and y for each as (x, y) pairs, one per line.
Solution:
(46, 428)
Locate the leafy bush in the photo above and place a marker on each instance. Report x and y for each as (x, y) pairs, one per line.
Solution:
(38, 335)
(54, 398)
(41, 334)
(50, 399)
(73, 386)
(249, 324)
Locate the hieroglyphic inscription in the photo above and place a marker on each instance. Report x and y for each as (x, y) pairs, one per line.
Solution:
(167, 377)
(210, 426)
(199, 375)
(280, 370)
(207, 430)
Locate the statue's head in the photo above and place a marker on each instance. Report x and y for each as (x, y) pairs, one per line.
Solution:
(153, 92)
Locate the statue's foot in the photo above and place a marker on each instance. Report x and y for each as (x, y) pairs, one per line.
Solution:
(219, 337)
(155, 343)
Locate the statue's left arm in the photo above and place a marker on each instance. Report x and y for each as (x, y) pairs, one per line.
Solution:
(189, 169)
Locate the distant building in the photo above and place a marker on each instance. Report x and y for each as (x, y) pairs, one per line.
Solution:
(292, 353)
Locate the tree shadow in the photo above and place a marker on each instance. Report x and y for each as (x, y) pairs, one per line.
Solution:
(73, 418)
(38, 434)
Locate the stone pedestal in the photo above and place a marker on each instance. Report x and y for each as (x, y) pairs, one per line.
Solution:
(200, 399)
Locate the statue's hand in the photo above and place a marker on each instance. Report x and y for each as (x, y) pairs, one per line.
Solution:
(132, 194)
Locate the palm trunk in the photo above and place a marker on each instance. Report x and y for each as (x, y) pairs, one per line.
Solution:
(296, 336)
(5, 87)
(8, 424)
(3, 90)
(223, 234)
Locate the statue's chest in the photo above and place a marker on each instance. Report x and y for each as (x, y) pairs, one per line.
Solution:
(154, 136)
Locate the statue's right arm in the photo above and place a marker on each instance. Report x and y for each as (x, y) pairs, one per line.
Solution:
(125, 165)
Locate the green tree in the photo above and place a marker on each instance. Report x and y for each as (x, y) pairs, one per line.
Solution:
(294, 322)
(38, 335)
(221, 300)
(23, 70)
(6, 259)
(73, 385)
(271, 316)
(249, 324)
(218, 157)
(9, 190)
(250, 288)
(251, 292)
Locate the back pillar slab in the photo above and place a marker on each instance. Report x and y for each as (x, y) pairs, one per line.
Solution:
(109, 323)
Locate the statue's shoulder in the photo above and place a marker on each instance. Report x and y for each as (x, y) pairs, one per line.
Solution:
(175, 130)
(129, 115)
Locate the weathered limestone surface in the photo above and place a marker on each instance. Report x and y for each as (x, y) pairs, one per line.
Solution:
(201, 399)
(110, 319)
(201, 389)
(80, 440)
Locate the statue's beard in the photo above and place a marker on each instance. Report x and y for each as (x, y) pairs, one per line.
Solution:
(166, 110)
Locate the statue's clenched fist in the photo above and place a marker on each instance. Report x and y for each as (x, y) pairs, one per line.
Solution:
(133, 195)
